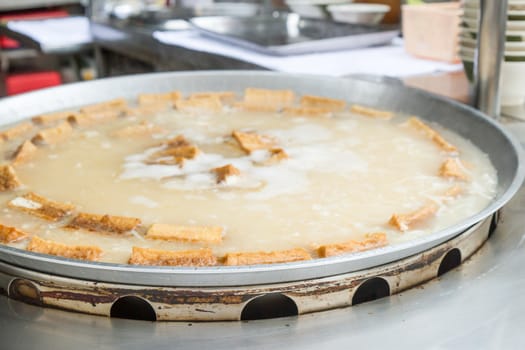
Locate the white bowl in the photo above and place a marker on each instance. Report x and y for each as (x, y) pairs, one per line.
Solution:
(358, 13)
(313, 8)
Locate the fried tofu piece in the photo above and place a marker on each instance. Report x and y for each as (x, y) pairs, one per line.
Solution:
(104, 223)
(96, 117)
(226, 97)
(224, 172)
(118, 104)
(188, 152)
(177, 141)
(54, 135)
(11, 234)
(142, 129)
(198, 234)
(38, 245)
(250, 142)
(264, 100)
(44, 208)
(405, 222)
(147, 110)
(371, 241)
(329, 104)
(157, 257)
(166, 98)
(8, 178)
(209, 103)
(24, 152)
(453, 168)
(50, 118)
(276, 155)
(307, 112)
(371, 112)
(16, 131)
(432, 134)
(177, 150)
(255, 258)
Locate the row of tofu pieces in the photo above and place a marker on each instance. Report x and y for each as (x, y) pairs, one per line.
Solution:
(53, 211)
(254, 100)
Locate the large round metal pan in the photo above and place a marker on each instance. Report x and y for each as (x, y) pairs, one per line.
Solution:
(504, 152)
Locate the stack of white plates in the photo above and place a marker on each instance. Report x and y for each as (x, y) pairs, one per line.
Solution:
(513, 66)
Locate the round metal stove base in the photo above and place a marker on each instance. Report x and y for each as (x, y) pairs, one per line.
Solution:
(241, 302)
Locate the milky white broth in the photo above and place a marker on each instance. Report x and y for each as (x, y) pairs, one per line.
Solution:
(345, 177)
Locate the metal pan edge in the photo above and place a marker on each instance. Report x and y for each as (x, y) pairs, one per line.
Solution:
(463, 119)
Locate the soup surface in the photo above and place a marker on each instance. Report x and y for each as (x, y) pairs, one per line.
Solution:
(318, 180)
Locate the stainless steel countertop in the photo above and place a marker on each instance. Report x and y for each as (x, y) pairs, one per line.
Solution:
(478, 305)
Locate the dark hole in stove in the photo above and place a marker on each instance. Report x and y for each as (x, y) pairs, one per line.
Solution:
(371, 289)
(450, 261)
(23, 290)
(133, 308)
(271, 305)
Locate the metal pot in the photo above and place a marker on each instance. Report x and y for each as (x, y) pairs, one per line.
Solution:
(504, 152)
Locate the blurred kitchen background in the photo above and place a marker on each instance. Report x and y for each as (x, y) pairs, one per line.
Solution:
(51, 42)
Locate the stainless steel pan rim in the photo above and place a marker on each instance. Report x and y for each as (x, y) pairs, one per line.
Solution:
(467, 121)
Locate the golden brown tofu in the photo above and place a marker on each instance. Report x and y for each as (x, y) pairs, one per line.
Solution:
(104, 223)
(38, 245)
(24, 152)
(147, 110)
(11, 234)
(167, 98)
(277, 155)
(453, 168)
(432, 134)
(8, 178)
(222, 173)
(405, 222)
(210, 103)
(197, 234)
(307, 112)
(118, 104)
(50, 118)
(53, 135)
(93, 118)
(177, 150)
(255, 258)
(226, 97)
(250, 142)
(16, 131)
(371, 112)
(157, 257)
(371, 241)
(324, 103)
(265, 100)
(41, 207)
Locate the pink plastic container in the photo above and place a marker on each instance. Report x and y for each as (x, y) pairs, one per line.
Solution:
(431, 30)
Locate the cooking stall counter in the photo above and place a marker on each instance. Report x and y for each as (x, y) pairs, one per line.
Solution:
(449, 290)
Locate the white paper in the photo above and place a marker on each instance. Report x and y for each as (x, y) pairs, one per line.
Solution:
(55, 33)
(390, 60)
